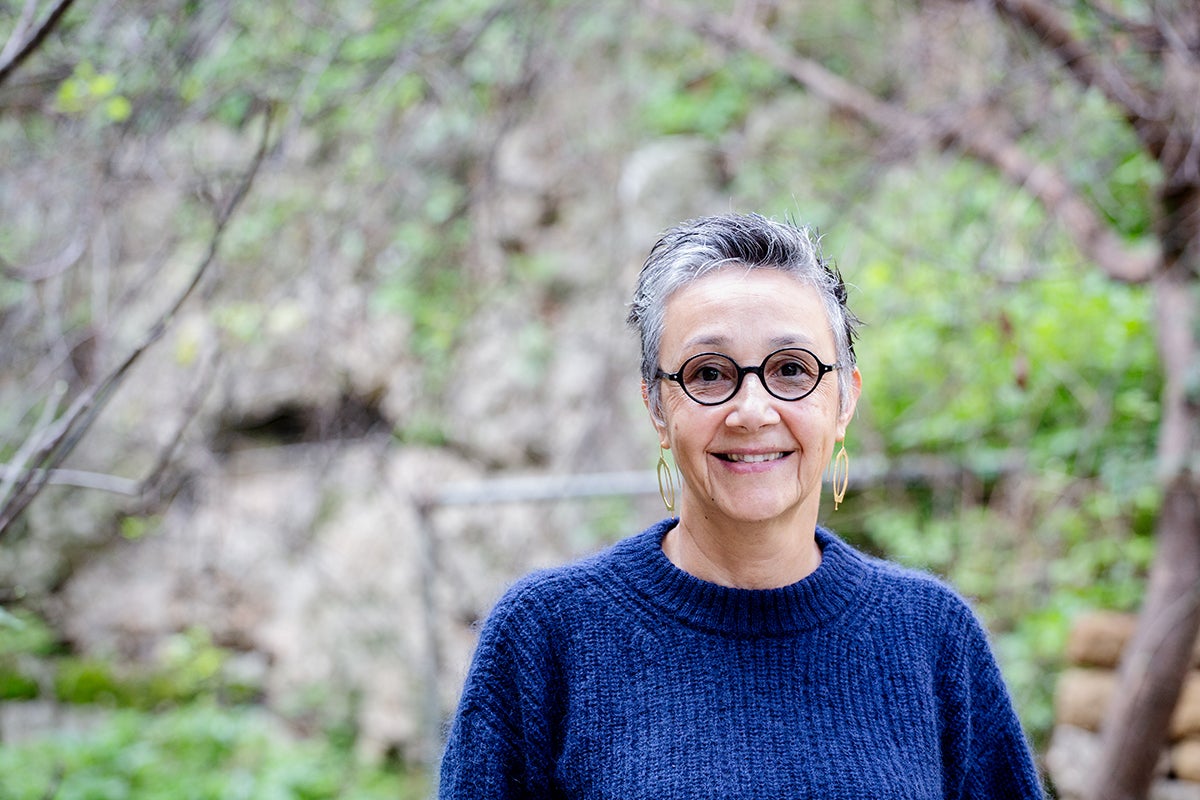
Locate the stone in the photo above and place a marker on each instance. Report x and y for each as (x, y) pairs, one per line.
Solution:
(1098, 638)
(1082, 697)
(1186, 719)
(1185, 759)
(1070, 759)
(1174, 790)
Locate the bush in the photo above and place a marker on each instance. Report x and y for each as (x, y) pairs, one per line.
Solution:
(196, 752)
(23, 640)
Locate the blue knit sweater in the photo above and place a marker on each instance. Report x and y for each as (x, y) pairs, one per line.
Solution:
(624, 677)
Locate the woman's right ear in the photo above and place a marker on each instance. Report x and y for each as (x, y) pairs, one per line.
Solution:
(656, 419)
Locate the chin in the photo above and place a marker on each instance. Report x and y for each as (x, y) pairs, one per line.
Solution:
(758, 514)
(763, 510)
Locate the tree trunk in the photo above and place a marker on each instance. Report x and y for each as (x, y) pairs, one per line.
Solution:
(1156, 663)
(1157, 660)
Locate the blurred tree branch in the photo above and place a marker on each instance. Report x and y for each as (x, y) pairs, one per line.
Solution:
(44, 270)
(1091, 71)
(20, 47)
(155, 482)
(970, 133)
(56, 434)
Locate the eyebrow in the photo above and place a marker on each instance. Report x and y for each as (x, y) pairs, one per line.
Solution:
(778, 342)
(792, 341)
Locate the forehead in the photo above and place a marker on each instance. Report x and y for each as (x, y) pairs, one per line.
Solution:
(746, 313)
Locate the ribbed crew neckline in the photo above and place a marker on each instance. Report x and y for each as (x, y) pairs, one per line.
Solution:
(806, 604)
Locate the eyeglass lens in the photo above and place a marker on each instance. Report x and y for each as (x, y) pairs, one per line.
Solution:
(714, 378)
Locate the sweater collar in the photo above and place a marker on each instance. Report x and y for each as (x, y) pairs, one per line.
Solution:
(803, 605)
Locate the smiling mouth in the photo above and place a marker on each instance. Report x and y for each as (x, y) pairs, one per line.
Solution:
(751, 458)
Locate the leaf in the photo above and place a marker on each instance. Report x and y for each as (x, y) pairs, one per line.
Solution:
(118, 108)
(102, 85)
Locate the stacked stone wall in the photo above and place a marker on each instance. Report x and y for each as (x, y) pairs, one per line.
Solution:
(1085, 691)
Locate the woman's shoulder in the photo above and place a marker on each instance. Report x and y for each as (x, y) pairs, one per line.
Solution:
(917, 583)
(559, 589)
(912, 592)
(924, 618)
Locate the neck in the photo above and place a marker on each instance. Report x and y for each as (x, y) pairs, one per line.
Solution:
(744, 555)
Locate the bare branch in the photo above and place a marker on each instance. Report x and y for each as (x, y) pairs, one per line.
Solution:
(1090, 70)
(18, 32)
(1091, 235)
(14, 480)
(1094, 238)
(151, 486)
(49, 268)
(8, 66)
(1147, 38)
(1169, 38)
(57, 442)
(80, 479)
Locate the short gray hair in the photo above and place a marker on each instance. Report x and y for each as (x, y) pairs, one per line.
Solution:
(698, 247)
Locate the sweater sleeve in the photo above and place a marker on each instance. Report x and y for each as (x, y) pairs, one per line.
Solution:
(497, 747)
(986, 754)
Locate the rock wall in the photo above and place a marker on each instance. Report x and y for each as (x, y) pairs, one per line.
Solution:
(1082, 697)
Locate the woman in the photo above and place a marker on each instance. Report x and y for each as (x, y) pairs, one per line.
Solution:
(740, 650)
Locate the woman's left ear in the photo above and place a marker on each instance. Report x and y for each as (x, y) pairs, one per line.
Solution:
(851, 402)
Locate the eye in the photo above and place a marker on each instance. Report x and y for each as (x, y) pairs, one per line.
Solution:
(792, 372)
(709, 369)
(793, 365)
(793, 369)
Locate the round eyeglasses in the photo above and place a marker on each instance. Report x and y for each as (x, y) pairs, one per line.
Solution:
(714, 378)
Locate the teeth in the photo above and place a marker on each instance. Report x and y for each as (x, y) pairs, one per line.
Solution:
(754, 459)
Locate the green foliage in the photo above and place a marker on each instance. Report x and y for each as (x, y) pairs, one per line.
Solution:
(196, 752)
(1128, 202)
(190, 667)
(423, 279)
(1104, 157)
(91, 680)
(686, 85)
(1030, 654)
(135, 527)
(242, 322)
(834, 35)
(709, 98)
(88, 91)
(1056, 362)
(169, 738)
(609, 519)
(423, 428)
(12, 293)
(24, 638)
(23, 633)
(15, 683)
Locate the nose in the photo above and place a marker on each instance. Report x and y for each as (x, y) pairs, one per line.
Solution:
(752, 407)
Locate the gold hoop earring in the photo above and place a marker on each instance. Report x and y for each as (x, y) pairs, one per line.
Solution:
(667, 493)
(841, 476)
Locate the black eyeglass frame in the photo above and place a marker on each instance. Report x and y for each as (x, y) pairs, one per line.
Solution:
(677, 376)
